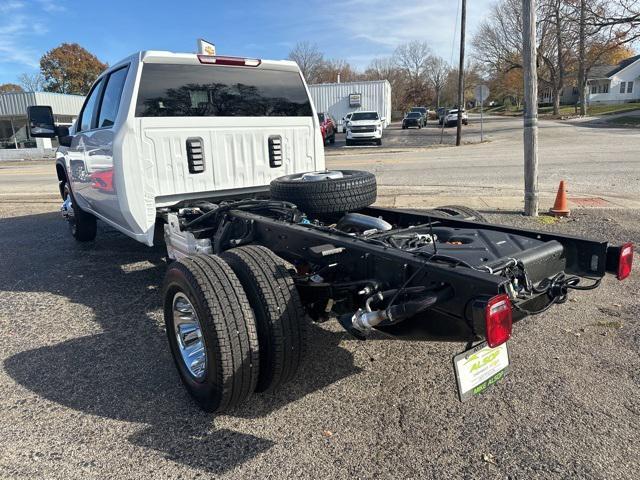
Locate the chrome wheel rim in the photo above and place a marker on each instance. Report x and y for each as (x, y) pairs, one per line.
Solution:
(320, 176)
(67, 208)
(188, 332)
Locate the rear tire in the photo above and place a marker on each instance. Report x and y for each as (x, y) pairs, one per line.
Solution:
(332, 138)
(348, 142)
(227, 331)
(83, 225)
(280, 317)
(355, 190)
(465, 213)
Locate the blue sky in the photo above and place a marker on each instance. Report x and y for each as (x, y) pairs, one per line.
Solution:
(356, 30)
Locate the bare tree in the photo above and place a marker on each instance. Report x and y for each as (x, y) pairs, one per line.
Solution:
(309, 59)
(31, 82)
(329, 71)
(437, 70)
(412, 58)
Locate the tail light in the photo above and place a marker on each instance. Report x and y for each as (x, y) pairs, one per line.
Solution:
(625, 260)
(235, 61)
(498, 320)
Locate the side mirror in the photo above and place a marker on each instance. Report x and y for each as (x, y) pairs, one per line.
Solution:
(40, 122)
(383, 119)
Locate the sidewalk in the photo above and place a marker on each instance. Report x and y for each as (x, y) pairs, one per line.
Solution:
(493, 199)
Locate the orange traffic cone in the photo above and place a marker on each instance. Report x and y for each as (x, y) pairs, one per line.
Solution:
(560, 208)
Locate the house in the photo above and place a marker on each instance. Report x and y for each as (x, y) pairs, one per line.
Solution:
(605, 84)
(615, 83)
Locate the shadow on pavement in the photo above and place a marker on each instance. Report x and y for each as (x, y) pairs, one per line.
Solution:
(126, 372)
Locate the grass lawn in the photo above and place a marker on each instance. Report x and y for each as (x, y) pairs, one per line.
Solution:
(571, 110)
(626, 120)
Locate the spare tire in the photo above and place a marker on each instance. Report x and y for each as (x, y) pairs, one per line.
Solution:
(327, 192)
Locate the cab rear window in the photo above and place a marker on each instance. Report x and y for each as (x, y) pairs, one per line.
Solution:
(220, 91)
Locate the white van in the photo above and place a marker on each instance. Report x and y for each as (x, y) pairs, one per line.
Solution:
(158, 128)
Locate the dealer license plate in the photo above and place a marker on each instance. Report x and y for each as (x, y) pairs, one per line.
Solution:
(479, 368)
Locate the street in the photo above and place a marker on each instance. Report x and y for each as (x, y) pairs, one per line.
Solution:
(600, 165)
(88, 388)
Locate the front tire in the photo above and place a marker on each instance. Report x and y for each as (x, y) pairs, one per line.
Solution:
(280, 317)
(83, 225)
(378, 141)
(211, 331)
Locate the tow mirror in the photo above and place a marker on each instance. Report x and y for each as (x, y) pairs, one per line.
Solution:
(41, 123)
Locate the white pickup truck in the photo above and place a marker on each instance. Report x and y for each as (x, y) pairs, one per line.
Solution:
(226, 154)
(158, 128)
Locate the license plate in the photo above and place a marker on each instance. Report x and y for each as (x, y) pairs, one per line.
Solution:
(479, 368)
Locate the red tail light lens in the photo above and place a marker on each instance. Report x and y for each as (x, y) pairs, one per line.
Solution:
(235, 61)
(625, 261)
(498, 320)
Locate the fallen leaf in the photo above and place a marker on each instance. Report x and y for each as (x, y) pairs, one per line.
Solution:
(327, 433)
(487, 457)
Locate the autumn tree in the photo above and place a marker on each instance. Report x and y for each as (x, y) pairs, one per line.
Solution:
(10, 88)
(71, 69)
(310, 60)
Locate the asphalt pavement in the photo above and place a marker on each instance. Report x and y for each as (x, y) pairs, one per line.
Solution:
(88, 388)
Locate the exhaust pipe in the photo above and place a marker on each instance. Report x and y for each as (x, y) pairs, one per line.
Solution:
(362, 321)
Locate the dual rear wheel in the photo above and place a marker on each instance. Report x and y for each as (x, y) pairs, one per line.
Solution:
(235, 324)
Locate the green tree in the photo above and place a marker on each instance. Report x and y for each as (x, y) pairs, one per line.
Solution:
(10, 88)
(69, 68)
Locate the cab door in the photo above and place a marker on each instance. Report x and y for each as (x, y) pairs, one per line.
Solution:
(77, 169)
(101, 192)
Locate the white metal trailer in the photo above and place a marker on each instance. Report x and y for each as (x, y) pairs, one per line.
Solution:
(338, 99)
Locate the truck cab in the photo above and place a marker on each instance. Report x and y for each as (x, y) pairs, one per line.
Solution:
(158, 128)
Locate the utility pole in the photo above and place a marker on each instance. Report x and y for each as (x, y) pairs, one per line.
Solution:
(581, 60)
(461, 74)
(531, 108)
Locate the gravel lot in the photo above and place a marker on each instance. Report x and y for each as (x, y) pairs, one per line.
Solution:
(88, 388)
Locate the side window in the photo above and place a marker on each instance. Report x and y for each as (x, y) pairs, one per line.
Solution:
(89, 108)
(630, 87)
(111, 98)
(622, 85)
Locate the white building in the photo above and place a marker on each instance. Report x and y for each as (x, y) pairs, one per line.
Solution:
(338, 99)
(14, 142)
(615, 83)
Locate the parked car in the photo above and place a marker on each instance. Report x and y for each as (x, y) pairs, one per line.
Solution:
(365, 126)
(412, 119)
(345, 120)
(328, 128)
(451, 118)
(424, 112)
(263, 238)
